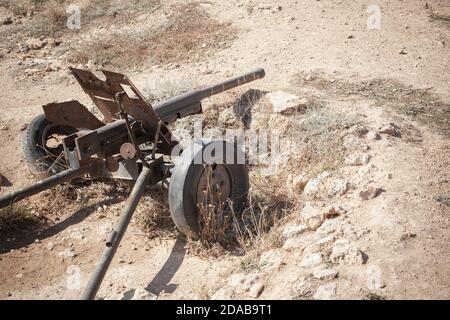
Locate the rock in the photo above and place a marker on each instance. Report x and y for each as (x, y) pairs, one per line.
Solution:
(358, 130)
(271, 260)
(311, 216)
(51, 42)
(293, 230)
(68, 253)
(301, 287)
(371, 193)
(325, 274)
(407, 236)
(296, 183)
(294, 244)
(23, 48)
(5, 128)
(224, 293)
(311, 260)
(344, 252)
(142, 294)
(372, 135)
(35, 44)
(338, 188)
(315, 187)
(357, 159)
(256, 290)
(285, 103)
(23, 127)
(391, 129)
(330, 212)
(6, 20)
(321, 245)
(326, 292)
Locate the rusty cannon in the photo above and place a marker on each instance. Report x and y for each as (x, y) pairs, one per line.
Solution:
(133, 142)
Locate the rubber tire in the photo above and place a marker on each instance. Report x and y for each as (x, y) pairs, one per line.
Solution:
(32, 147)
(183, 188)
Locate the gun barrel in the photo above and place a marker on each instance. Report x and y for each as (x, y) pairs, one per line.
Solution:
(189, 103)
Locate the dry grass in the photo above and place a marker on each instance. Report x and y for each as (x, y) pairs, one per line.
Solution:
(187, 35)
(16, 217)
(153, 216)
(418, 103)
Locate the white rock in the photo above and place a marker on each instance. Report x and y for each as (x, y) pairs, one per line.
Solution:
(225, 293)
(338, 188)
(294, 244)
(284, 103)
(343, 252)
(142, 294)
(321, 245)
(325, 274)
(315, 187)
(311, 260)
(35, 44)
(326, 292)
(271, 260)
(256, 290)
(372, 135)
(311, 216)
(293, 230)
(300, 288)
(296, 183)
(357, 159)
(390, 129)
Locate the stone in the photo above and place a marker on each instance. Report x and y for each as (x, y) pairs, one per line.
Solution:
(390, 129)
(142, 294)
(23, 127)
(297, 183)
(256, 290)
(343, 252)
(370, 193)
(224, 293)
(357, 159)
(311, 260)
(293, 230)
(372, 135)
(35, 44)
(294, 244)
(315, 187)
(311, 216)
(326, 292)
(333, 211)
(285, 103)
(338, 188)
(325, 274)
(271, 260)
(300, 287)
(358, 130)
(23, 48)
(321, 244)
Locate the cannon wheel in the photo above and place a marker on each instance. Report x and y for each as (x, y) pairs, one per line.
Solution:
(42, 145)
(190, 180)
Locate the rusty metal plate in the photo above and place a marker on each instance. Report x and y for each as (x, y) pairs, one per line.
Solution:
(103, 94)
(72, 114)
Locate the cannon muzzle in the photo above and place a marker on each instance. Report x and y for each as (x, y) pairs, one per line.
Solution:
(189, 103)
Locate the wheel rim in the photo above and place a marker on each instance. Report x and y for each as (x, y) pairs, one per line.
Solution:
(51, 141)
(214, 185)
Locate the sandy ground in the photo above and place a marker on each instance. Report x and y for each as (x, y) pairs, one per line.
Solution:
(330, 38)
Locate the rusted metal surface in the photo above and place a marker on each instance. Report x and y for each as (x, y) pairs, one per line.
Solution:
(103, 94)
(71, 114)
